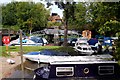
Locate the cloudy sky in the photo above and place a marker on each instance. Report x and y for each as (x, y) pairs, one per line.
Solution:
(54, 8)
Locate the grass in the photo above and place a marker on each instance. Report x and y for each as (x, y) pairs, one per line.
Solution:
(5, 54)
(27, 48)
(35, 48)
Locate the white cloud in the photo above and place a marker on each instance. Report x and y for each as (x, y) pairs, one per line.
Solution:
(55, 9)
(5, 1)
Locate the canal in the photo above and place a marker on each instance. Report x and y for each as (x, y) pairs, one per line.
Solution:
(29, 68)
(28, 73)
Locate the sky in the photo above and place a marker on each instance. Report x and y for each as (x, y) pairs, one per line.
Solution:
(54, 8)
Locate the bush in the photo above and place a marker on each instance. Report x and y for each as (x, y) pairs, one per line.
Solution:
(117, 53)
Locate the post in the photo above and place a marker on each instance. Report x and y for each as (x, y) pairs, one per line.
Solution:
(7, 52)
(56, 35)
(21, 54)
(7, 44)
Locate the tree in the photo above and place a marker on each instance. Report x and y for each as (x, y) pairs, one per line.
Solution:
(8, 14)
(105, 17)
(78, 21)
(110, 26)
(35, 15)
(51, 24)
(68, 12)
(26, 15)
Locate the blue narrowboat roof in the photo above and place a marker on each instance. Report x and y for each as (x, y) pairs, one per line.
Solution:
(49, 52)
(33, 53)
(53, 53)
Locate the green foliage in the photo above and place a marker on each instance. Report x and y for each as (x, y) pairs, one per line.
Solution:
(25, 15)
(106, 17)
(101, 17)
(50, 24)
(117, 54)
(79, 17)
(5, 54)
(118, 34)
(8, 14)
(110, 26)
(15, 28)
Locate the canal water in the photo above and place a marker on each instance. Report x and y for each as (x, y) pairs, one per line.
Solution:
(29, 68)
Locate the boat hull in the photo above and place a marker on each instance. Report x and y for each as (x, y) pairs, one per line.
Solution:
(100, 70)
(48, 59)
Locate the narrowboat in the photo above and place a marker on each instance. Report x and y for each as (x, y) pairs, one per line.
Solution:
(79, 70)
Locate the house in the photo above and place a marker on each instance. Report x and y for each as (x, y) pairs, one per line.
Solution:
(55, 18)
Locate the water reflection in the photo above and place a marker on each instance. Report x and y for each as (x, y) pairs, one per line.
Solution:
(29, 68)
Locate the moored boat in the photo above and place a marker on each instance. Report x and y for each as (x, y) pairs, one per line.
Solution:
(47, 56)
(75, 70)
(83, 47)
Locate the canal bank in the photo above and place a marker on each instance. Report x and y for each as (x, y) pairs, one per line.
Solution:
(14, 71)
(6, 68)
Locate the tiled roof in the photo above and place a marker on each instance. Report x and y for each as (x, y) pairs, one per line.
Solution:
(54, 18)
